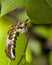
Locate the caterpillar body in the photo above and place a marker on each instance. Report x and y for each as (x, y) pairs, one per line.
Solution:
(12, 35)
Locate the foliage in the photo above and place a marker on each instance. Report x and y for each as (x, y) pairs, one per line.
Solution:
(40, 11)
(40, 14)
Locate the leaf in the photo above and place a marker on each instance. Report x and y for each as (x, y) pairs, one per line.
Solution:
(22, 16)
(5, 22)
(40, 11)
(9, 5)
(22, 62)
(26, 63)
(20, 47)
(49, 2)
(28, 55)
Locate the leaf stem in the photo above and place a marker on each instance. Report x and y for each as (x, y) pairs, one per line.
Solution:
(24, 49)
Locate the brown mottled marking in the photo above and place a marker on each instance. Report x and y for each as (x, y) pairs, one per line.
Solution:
(12, 35)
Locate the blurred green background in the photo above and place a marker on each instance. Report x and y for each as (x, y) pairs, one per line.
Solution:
(39, 48)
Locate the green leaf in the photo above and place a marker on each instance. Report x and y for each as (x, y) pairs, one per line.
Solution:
(20, 47)
(22, 61)
(28, 63)
(9, 5)
(22, 16)
(49, 2)
(40, 11)
(28, 55)
(5, 22)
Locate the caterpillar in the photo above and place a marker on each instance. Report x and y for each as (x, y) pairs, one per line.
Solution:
(12, 35)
